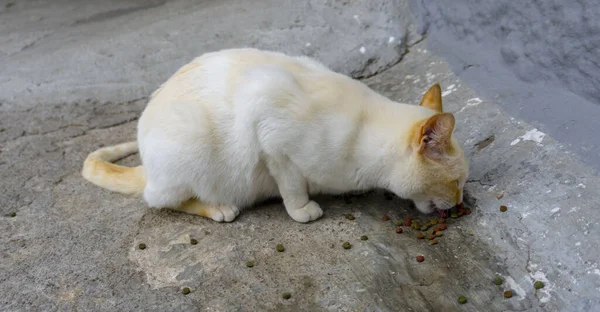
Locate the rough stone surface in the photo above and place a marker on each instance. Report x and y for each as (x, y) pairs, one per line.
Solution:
(67, 51)
(73, 246)
(539, 60)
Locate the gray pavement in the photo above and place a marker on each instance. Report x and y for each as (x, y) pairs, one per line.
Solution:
(76, 78)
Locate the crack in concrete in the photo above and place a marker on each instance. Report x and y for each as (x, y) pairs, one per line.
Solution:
(24, 136)
(478, 181)
(389, 65)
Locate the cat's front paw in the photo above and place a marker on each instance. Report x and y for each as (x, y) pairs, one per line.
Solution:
(310, 212)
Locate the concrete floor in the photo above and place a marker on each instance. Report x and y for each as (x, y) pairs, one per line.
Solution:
(77, 78)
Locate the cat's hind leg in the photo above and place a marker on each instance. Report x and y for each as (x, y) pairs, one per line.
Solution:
(181, 199)
(219, 213)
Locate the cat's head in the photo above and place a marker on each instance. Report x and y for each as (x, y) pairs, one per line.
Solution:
(438, 167)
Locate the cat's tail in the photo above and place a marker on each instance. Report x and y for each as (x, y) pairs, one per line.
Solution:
(99, 170)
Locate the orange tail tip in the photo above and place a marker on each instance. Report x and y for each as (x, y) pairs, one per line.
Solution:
(99, 170)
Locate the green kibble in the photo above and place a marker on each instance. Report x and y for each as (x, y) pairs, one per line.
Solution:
(193, 241)
(498, 280)
(424, 227)
(538, 285)
(250, 263)
(439, 234)
(349, 216)
(454, 215)
(286, 295)
(433, 242)
(280, 248)
(398, 223)
(433, 221)
(346, 245)
(364, 237)
(185, 290)
(142, 246)
(12, 214)
(462, 299)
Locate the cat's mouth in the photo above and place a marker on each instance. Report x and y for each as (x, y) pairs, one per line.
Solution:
(442, 213)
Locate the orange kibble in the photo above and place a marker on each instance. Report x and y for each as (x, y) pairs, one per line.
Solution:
(399, 230)
(385, 218)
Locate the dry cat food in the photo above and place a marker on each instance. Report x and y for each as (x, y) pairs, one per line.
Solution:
(349, 216)
(420, 258)
(364, 237)
(385, 218)
(498, 280)
(503, 208)
(193, 241)
(286, 295)
(346, 245)
(280, 248)
(462, 299)
(508, 294)
(142, 246)
(433, 228)
(185, 290)
(538, 285)
(12, 214)
(250, 263)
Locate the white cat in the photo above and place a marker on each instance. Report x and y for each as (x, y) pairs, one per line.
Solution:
(237, 126)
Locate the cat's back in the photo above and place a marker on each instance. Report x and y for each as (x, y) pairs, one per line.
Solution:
(207, 84)
(217, 74)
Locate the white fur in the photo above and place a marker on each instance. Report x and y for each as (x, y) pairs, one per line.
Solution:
(237, 126)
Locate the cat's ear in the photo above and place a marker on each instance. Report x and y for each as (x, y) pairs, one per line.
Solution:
(436, 135)
(433, 98)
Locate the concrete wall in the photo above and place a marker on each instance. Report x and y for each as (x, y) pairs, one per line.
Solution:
(539, 59)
